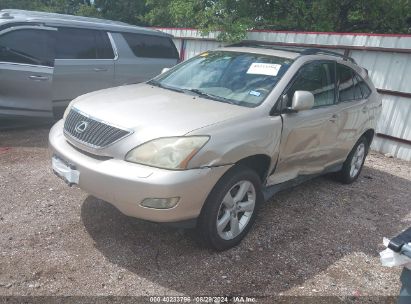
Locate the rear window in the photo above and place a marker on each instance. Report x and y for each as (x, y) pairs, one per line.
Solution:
(83, 44)
(28, 46)
(151, 46)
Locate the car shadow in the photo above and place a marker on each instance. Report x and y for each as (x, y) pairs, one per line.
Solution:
(25, 135)
(24, 123)
(298, 234)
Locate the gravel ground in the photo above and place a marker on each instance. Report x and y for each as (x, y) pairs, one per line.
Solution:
(320, 238)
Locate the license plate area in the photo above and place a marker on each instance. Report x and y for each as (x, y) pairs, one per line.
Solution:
(65, 171)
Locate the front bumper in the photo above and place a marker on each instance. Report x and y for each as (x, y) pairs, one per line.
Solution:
(125, 185)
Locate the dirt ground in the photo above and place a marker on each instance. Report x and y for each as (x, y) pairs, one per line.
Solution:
(321, 238)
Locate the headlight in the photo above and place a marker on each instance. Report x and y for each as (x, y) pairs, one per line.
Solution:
(167, 153)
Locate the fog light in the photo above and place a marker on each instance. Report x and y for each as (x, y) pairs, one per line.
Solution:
(160, 203)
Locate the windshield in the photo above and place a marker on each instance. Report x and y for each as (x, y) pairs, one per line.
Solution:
(239, 78)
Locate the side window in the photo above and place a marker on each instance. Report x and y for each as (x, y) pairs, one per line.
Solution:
(73, 43)
(365, 90)
(151, 46)
(350, 85)
(317, 78)
(357, 88)
(28, 46)
(104, 47)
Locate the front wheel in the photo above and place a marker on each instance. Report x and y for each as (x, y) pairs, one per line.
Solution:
(354, 163)
(230, 209)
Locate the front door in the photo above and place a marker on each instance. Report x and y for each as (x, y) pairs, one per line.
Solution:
(309, 136)
(26, 71)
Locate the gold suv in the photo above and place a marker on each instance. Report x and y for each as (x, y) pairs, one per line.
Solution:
(205, 143)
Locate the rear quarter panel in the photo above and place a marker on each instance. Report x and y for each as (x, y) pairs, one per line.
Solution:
(374, 102)
(374, 106)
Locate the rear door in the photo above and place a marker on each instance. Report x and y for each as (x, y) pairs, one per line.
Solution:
(84, 63)
(26, 70)
(142, 56)
(352, 111)
(306, 140)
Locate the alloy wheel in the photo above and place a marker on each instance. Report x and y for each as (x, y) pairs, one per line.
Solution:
(236, 210)
(357, 160)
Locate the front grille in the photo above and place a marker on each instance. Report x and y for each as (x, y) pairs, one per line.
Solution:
(90, 131)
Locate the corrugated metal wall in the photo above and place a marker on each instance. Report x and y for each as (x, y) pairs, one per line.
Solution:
(387, 57)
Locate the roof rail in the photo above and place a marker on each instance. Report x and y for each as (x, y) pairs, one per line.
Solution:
(5, 15)
(315, 51)
(296, 49)
(263, 44)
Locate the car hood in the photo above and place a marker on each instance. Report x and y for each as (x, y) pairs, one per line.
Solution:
(142, 107)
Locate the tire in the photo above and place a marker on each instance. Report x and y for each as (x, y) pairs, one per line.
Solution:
(354, 163)
(225, 208)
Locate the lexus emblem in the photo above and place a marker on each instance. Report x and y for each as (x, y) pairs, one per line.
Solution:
(81, 126)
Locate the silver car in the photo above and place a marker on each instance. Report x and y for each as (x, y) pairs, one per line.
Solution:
(56, 58)
(207, 142)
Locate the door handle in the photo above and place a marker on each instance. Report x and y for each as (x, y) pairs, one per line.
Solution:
(38, 78)
(334, 118)
(364, 109)
(100, 69)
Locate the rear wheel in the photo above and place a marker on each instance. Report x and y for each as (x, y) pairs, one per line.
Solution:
(230, 209)
(354, 163)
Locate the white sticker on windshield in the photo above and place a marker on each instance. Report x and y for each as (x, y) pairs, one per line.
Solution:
(269, 69)
(255, 93)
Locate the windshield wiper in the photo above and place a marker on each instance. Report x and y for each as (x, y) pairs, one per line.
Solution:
(195, 91)
(210, 96)
(160, 85)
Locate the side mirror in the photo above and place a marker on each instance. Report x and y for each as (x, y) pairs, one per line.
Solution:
(302, 100)
(164, 70)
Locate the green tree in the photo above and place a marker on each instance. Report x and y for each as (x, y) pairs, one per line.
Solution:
(234, 17)
(20, 4)
(88, 11)
(55, 6)
(130, 11)
(229, 16)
